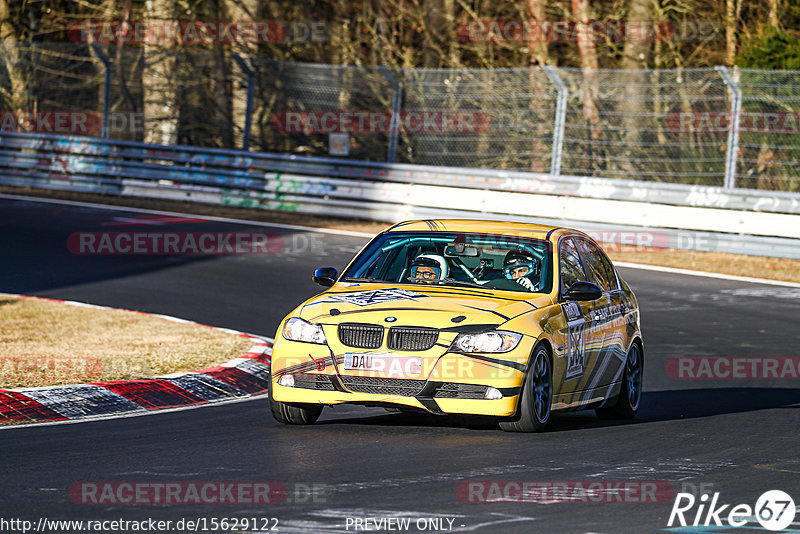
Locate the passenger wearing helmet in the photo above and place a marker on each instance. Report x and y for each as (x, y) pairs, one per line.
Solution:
(427, 268)
(522, 268)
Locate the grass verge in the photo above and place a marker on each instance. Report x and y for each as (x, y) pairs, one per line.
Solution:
(49, 343)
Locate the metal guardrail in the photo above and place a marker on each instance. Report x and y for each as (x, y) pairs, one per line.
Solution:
(694, 217)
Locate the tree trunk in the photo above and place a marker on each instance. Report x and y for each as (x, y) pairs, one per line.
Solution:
(730, 32)
(773, 13)
(539, 56)
(119, 68)
(241, 10)
(635, 58)
(18, 96)
(158, 83)
(582, 14)
(439, 41)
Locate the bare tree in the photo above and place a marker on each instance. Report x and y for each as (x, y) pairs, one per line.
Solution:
(439, 39)
(241, 10)
(635, 58)
(582, 13)
(18, 95)
(540, 53)
(774, 7)
(158, 82)
(732, 11)
(539, 56)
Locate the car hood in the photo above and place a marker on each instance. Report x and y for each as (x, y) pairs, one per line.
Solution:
(419, 305)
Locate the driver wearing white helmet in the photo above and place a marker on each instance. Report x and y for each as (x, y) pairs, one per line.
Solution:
(427, 268)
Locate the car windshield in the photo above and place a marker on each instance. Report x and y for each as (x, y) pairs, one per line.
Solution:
(490, 261)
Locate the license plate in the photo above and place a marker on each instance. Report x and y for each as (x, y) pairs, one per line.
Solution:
(388, 364)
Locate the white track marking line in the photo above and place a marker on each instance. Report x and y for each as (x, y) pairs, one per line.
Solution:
(721, 276)
(640, 266)
(197, 216)
(131, 414)
(259, 343)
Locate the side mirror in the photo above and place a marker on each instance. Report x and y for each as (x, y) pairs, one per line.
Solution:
(325, 276)
(583, 291)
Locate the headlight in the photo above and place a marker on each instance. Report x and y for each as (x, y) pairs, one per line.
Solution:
(486, 342)
(296, 329)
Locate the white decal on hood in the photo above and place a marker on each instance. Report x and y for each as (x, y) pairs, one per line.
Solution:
(376, 296)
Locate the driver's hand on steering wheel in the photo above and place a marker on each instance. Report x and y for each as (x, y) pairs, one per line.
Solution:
(525, 282)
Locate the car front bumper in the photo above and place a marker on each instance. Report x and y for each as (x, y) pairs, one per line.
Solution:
(453, 383)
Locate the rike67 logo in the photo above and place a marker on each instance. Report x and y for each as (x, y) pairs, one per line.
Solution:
(774, 510)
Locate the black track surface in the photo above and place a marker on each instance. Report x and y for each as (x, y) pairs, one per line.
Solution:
(736, 437)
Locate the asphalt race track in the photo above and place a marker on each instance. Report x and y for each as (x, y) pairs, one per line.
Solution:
(737, 437)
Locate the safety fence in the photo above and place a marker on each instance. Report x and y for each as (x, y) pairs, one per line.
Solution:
(732, 128)
(689, 217)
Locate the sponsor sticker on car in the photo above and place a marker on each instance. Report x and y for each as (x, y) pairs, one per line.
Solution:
(377, 296)
(576, 340)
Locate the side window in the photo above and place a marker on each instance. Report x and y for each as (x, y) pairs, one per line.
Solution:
(612, 274)
(592, 259)
(570, 264)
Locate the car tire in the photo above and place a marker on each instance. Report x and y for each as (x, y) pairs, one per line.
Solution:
(630, 393)
(293, 413)
(535, 402)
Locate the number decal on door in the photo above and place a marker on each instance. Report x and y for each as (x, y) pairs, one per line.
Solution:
(576, 340)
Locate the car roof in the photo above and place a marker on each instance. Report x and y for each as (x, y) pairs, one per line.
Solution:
(480, 227)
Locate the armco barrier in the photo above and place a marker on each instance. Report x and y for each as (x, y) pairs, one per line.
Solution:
(730, 220)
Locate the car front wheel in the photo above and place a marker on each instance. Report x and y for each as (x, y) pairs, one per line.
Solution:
(293, 413)
(533, 412)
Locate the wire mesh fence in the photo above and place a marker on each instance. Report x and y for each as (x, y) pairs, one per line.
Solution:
(639, 125)
(55, 88)
(720, 127)
(500, 119)
(297, 106)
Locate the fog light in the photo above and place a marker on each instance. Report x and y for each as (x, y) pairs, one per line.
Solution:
(288, 381)
(492, 394)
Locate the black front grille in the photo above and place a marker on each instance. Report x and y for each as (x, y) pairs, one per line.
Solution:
(411, 338)
(383, 386)
(450, 390)
(362, 336)
(309, 381)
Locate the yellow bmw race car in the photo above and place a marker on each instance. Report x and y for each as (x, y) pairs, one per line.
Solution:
(510, 320)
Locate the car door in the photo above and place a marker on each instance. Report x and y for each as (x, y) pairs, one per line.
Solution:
(581, 338)
(604, 314)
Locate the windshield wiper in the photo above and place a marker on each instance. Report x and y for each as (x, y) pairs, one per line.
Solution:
(361, 279)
